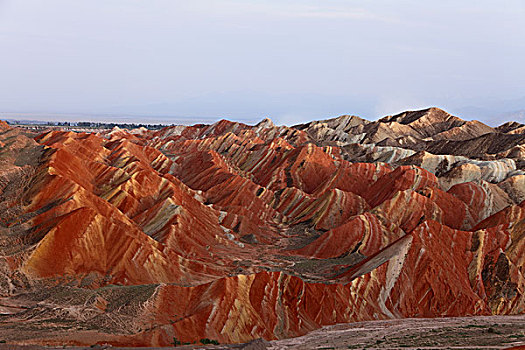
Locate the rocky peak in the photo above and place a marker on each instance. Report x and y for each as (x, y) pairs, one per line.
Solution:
(265, 123)
(432, 114)
(4, 125)
(509, 126)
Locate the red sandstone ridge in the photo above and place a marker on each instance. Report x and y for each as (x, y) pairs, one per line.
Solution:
(4, 125)
(234, 232)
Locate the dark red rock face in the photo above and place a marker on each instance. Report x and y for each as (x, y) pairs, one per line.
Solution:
(234, 232)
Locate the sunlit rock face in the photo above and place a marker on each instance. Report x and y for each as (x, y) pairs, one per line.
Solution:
(233, 232)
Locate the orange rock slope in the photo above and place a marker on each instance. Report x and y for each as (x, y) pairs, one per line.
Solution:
(233, 232)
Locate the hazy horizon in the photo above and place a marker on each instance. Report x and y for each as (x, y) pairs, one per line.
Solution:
(123, 118)
(291, 61)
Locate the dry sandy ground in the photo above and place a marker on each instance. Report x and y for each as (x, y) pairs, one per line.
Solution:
(491, 332)
(494, 332)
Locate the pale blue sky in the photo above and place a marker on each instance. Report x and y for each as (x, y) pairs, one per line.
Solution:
(289, 60)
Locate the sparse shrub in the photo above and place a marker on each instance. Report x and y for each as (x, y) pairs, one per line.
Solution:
(206, 341)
